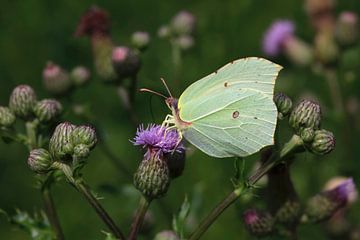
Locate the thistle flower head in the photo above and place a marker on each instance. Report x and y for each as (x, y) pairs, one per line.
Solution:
(157, 140)
(47, 110)
(140, 40)
(94, 21)
(276, 35)
(325, 204)
(258, 223)
(338, 181)
(39, 161)
(7, 117)
(323, 142)
(126, 62)
(55, 79)
(80, 75)
(183, 23)
(22, 101)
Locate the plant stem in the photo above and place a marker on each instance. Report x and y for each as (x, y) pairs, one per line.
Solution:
(215, 213)
(31, 132)
(139, 218)
(51, 212)
(276, 158)
(84, 189)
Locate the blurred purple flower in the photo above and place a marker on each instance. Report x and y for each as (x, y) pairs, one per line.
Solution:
(157, 140)
(342, 193)
(275, 36)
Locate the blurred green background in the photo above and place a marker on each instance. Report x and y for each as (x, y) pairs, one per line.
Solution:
(33, 32)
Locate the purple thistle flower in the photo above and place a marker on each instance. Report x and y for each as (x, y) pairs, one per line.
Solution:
(276, 35)
(157, 140)
(342, 193)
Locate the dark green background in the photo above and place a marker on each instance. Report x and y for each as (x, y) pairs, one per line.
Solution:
(33, 32)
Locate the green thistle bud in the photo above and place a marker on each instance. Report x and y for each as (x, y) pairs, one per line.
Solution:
(260, 224)
(323, 142)
(283, 104)
(84, 135)
(22, 101)
(48, 110)
(126, 62)
(347, 28)
(80, 75)
(39, 161)
(81, 151)
(7, 117)
(152, 178)
(166, 235)
(140, 40)
(288, 213)
(176, 163)
(307, 134)
(164, 32)
(56, 80)
(60, 146)
(183, 23)
(306, 114)
(185, 42)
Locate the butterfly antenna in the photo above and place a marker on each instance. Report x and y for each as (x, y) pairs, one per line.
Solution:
(151, 91)
(166, 86)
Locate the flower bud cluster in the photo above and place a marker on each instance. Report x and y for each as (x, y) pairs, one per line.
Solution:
(23, 104)
(59, 82)
(67, 143)
(305, 119)
(180, 30)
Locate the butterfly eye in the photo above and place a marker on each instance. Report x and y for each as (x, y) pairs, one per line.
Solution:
(235, 114)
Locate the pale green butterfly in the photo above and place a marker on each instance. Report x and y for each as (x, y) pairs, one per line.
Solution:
(229, 112)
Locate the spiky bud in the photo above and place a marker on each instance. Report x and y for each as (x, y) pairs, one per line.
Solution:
(323, 142)
(185, 42)
(80, 75)
(306, 114)
(288, 213)
(323, 205)
(183, 23)
(140, 40)
(22, 100)
(83, 138)
(283, 104)
(152, 178)
(166, 235)
(84, 134)
(48, 110)
(60, 146)
(126, 62)
(326, 49)
(7, 117)
(307, 134)
(260, 224)
(56, 80)
(176, 162)
(346, 31)
(39, 161)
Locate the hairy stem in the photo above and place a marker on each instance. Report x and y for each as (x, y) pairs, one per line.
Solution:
(85, 190)
(139, 218)
(51, 213)
(276, 158)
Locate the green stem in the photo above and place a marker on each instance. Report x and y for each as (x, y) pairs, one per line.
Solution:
(139, 218)
(31, 132)
(51, 212)
(276, 158)
(85, 190)
(10, 134)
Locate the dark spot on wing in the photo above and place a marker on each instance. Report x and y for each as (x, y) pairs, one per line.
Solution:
(235, 114)
(256, 81)
(225, 84)
(255, 118)
(232, 62)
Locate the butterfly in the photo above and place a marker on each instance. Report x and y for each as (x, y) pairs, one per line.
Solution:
(229, 113)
